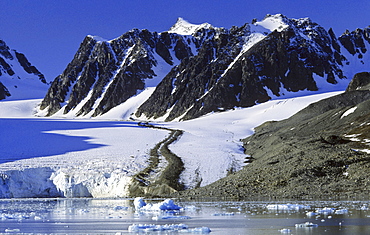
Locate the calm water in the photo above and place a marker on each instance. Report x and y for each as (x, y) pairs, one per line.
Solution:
(98, 216)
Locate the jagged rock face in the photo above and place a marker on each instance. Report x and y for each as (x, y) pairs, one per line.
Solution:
(3, 92)
(11, 59)
(354, 41)
(223, 76)
(207, 69)
(104, 74)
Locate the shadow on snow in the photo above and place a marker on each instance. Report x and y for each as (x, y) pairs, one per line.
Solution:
(27, 138)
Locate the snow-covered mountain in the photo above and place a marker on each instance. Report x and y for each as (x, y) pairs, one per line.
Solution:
(198, 69)
(19, 79)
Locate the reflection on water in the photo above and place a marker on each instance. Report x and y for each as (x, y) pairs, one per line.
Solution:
(114, 216)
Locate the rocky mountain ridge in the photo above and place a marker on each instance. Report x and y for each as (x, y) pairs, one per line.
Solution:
(17, 74)
(198, 69)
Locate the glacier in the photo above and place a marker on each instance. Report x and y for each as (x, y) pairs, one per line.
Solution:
(97, 157)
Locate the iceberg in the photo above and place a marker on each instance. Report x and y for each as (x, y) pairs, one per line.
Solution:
(287, 207)
(306, 225)
(166, 205)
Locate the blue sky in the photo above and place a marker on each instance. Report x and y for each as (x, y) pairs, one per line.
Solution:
(49, 32)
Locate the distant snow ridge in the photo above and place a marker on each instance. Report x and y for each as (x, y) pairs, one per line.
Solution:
(18, 78)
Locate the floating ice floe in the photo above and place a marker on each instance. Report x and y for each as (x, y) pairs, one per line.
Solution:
(118, 208)
(306, 225)
(166, 205)
(181, 228)
(311, 214)
(14, 230)
(223, 214)
(156, 227)
(341, 211)
(171, 217)
(325, 211)
(285, 230)
(287, 207)
(20, 216)
(364, 207)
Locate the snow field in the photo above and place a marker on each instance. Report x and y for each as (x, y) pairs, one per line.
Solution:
(211, 145)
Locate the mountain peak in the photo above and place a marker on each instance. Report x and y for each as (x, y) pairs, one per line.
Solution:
(97, 38)
(274, 22)
(183, 27)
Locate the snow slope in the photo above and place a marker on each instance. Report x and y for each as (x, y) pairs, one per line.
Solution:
(97, 157)
(20, 84)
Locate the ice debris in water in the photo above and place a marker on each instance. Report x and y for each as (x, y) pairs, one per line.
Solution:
(155, 227)
(326, 211)
(311, 214)
(181, 228)
(19, 216)
(167, 204)
(15, 230)
(223, 214)
(171, 217)
(306, 225)
(364, 207)
(341, 211)
(287, 207)
(118, 208)
(285, 230)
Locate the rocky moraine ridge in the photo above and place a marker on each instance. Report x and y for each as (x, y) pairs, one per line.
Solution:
(321, 151)
(198, 69)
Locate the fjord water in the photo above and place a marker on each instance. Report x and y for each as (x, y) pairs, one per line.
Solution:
(115, 216)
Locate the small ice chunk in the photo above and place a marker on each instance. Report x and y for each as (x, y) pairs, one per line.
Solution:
(341, 211)
(14, 230)
(156, 227)
(139, 203)
(306, 225)
(167, 204)
(287, 207)
(223, 214)
(326, 211)
(311, 214)
(364, 207)
(172, 217)
(285, 230)
(201, 230)
(118, 208)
